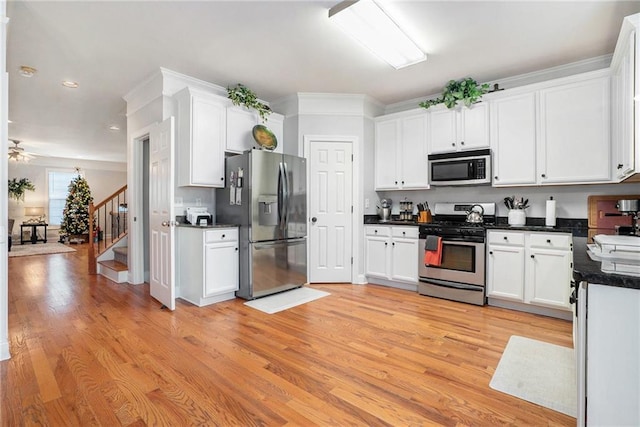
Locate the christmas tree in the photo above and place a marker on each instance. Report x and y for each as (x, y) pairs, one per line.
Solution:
(75, 216)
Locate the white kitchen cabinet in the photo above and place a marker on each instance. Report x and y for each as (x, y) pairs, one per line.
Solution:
(208, 264)
(622, 108)
(401, 151)
(201, 133)
(240, 123)
(574, 131)
(457, 129)
(505, 265)
(392, 253)
(530, 268)
(513, 139)
(612, 356)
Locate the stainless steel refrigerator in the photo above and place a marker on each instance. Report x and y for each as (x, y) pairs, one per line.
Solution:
(266, 196)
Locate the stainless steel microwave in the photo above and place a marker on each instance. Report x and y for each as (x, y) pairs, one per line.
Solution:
(460, 168)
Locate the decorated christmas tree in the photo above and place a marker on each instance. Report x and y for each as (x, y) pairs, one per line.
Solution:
(75, 216)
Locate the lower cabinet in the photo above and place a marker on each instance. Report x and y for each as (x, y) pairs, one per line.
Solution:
(530, 268)
(392, 253)
(208, 264)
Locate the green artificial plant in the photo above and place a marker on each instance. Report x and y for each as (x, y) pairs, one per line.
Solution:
(18, 187)
(467, 91)
(242, 95)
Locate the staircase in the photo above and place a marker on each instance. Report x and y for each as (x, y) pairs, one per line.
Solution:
(108, 226)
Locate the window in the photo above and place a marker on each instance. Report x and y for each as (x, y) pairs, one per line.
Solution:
(59, 181)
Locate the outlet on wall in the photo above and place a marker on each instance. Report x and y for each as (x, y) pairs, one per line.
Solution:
(366, 203)
(198, 202)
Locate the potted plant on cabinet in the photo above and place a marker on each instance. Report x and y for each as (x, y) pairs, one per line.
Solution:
(242, 95)
(467, 91)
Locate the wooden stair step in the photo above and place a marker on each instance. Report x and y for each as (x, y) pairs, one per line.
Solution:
(114, 265)
(124, 250)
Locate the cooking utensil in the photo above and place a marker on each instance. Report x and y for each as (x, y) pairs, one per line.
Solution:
(475, 217)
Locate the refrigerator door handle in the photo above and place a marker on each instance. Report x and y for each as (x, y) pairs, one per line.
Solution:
(281, 195)
(287, 194)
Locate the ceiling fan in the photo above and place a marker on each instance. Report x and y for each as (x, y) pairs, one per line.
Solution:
(17, 153)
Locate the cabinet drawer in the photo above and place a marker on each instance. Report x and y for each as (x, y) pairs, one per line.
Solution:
(506, 238)
(221, 235)
(378, 231)
(406, 232)
(556, 240)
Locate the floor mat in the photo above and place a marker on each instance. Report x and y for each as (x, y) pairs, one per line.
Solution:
(285, 300)
(538, 372)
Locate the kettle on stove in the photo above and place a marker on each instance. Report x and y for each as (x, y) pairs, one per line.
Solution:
(475, 217)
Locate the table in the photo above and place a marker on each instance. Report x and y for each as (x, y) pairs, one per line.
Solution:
(34, 234)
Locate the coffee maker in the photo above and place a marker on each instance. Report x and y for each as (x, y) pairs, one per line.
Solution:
(384, 210)
(632, 209)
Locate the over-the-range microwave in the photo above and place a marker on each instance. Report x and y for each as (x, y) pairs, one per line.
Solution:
(460, 168)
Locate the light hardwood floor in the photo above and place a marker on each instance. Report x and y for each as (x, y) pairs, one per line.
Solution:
(87, 351)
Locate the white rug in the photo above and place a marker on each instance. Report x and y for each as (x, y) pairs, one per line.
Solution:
(538, 372)
(285, 300)
(38, 249)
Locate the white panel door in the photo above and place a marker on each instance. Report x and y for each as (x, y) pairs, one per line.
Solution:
(330, 209)
(161, 215)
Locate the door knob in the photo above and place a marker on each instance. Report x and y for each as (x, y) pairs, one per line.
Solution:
(165, 223)
(314, 219)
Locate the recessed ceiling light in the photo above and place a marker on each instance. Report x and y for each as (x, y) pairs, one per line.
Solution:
(70, 84)
(26, 71)
(114, 128)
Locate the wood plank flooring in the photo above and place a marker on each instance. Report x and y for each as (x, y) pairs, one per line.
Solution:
(87, 351)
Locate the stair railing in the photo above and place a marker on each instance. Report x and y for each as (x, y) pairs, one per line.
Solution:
(107, 225)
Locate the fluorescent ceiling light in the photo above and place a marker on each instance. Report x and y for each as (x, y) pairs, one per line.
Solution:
(365, 21)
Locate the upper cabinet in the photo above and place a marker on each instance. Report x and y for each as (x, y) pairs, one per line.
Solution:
(574, 133)
(552, 133)
(401, 151)
(201, 133)
(466, 128)
(513, 139)
(625, 79)
(240, 123)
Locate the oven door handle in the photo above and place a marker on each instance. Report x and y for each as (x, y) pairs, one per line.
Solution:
(446, 284)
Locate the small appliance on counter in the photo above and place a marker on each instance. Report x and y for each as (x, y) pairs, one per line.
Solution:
(198, 216)
(629, 207)
(384, 210)
(617, 254)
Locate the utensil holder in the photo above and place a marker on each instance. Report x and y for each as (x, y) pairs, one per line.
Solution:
(517, 217)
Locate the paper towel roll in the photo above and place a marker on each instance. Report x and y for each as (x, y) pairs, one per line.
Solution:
(550, 218)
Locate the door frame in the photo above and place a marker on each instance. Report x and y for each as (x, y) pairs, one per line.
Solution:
(357, 227)
(136, 206)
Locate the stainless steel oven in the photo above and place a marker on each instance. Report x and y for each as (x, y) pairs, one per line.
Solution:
(461, 273)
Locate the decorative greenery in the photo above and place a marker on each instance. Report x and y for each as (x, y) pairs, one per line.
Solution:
(17, 188)
(75, 216)
(514, 203)
(240, 94)
(466, 91)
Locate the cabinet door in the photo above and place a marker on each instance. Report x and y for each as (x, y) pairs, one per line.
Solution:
(442, 131)
(221, 268)
(574, 143)
(548, 279)
(377, 257)
(404, 260)
(413, 169)
(505, 272)
(386, 160)
(622, 109)
(513, 140)
(474, 127)
(240, 123)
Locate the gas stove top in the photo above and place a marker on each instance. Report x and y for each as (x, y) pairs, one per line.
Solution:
(450, 221)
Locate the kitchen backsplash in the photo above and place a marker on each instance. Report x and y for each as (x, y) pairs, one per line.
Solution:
(571, 200)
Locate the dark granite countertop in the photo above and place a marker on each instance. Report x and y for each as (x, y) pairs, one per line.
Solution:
(585, 269)
(204, 227)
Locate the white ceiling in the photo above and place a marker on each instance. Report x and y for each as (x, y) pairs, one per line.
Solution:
(276, 48)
